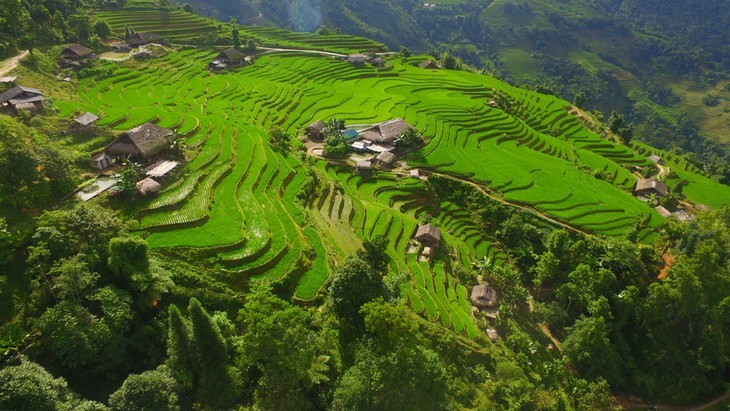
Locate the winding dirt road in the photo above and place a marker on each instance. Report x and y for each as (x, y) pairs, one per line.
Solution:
(10, 64)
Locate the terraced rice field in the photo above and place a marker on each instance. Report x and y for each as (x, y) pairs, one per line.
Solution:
(173, 25)
(236, 203)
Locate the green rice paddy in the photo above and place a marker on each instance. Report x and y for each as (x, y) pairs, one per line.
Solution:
(236, 203)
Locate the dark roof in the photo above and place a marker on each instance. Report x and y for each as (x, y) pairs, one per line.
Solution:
(483, 296)
(652, 184)
(386, 132)
(230, 55)
(17, 91)
(144, 37)
(386, 157)
(350, 133)
(143, 141)
(78, 50)
(429, 64)
(428, 233)
(317, 126)
(86, 119)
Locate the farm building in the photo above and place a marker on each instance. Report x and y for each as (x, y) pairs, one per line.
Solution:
(85, 120)
(663, 211)
(656, 159)
(8, 79)
(378, 62)
(22, 98)
(140, 39)
(101, 161)
(350, 135)
(120, 47)
(76, 52)
(363, 166)
(385, 132)
(315, 129)
(386, 158)
(227, 59)
(429, 235)
(429, 65)
(483, 296)
(647, 186)
(141, 143)
(356, 59)
(148, 187)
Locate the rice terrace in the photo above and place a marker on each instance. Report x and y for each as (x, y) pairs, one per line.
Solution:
(235, 207)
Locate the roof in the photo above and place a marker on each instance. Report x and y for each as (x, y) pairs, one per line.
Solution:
(231, 55)
(655, 159)
(358, 145)
(350, 133)
(483, 296)
(147, 140)
(652, 184)
(428, 232)
(78, 50)
(378, 61)
(144, 37)
(663, 211)
(386, 132)
(8, 79)
(317, 125)
(16, 91)
(492, 334)
(86, 119)
(32, 99)
(429, 64)
(386, 157)
(148, 186)
(357, 57)
(161, 168)
(364, 165)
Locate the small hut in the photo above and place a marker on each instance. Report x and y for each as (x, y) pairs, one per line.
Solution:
(85, 121)
(647, 186)
(429, 235)
(363, 166)
(378, 62)
(100, 161)
(385, 132)
(148, 187)
(483, 296)
(316, 129)
(22, 98)
(663, 211)
(429, 65)
(386, 159)
(76, 52)
(140, 39)
(141, 143)
(227, 59)
(356, 59)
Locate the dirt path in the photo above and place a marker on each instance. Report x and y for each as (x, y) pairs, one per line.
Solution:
(545, 329)
(668, 262)
(324, 53)
(10, 64)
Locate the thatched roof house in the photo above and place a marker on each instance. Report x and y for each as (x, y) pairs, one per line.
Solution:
(227, 58)
(141, 142)
(22, 98)
(76, 52)
(385, 132)
(483, 296)
(148, 187)
(356, 59)
(378, 62)
(86, 119)
(428, 235)
(315, 129)
(364, 166)
(430, 65)
(140, 39)
(646, 186)
(386, 158)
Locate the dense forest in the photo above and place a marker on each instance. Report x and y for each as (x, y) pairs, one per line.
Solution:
(94, 318)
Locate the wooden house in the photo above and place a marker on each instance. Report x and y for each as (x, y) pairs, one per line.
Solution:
(386, 159)
(76, 52)
(21, 98)
(647, 186)
(316, 130)
(140, 39)
(429, 235)
(429, 65)
(385, 132)
(85, 121)
(356, 59)
(141, 143)
(230, 58)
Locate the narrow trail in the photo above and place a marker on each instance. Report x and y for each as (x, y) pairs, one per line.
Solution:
(10, 64)
(545, 329)
(668, 262)
(324, 53)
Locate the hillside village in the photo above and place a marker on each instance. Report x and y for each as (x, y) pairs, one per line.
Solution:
(298, 187)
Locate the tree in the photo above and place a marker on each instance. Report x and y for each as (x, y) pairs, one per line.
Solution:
(189, 9)
(355, 283)
(450, 62)
(236, 38)
(250, 45)
(410, 138)
(589, 348)
(580, 100)
(128, 177)
(278, 139)
(127, 257)
(618, 125)
(151, 390)
(179, 343)
(27, 386)
(375, 254)
(213, 385)
(404, 52)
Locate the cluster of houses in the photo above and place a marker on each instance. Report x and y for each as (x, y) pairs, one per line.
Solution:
(229, 59)
(360, 59)
(377, 140)
(148, 145)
